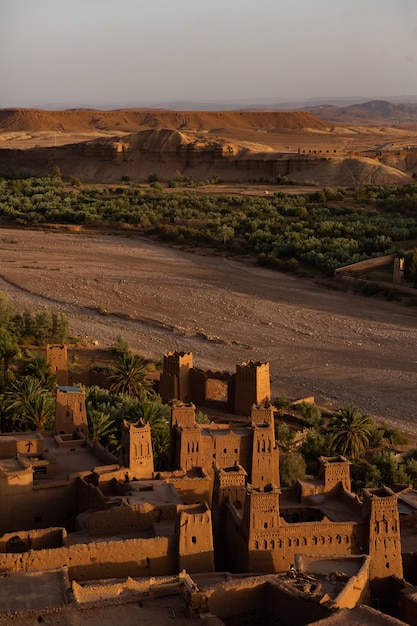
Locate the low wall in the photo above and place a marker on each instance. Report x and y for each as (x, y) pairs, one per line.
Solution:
(100, 559)
(366, 265)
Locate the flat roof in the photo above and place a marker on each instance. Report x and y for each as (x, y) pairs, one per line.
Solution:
(69, 389)
(20, 591)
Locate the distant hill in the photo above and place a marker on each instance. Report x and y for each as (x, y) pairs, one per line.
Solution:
(368, 113)
(131, 120)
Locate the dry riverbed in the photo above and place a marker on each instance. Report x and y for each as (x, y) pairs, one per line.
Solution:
(341, 348)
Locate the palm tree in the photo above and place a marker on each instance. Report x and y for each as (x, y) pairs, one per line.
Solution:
(129, 376)
(39, 367)
(25, 405)
(101, 425)
(350, 431)
(40, 412)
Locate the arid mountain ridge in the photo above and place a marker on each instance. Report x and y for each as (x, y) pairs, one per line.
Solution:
(104, 146)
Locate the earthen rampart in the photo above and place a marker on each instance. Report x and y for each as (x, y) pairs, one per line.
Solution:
(100, 559)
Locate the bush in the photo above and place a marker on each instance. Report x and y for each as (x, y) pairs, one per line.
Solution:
(291, 468)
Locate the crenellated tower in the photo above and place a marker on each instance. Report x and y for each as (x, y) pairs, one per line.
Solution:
(265, 454)
(252, 386)
(136, 449)
(175, 378)
(70, 411)
(381, 507)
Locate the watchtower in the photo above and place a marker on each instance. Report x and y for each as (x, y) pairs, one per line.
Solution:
(252, 386)
(195, 539)
(70, 411)
(384, 538)
(57, 355)
(182, 418)
(136, 449)
(334, 470)
(175, 378)
(265, 463)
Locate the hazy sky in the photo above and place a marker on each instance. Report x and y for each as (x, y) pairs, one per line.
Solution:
(134, 52)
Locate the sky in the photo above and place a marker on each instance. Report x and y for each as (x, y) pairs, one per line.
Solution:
(63, 53)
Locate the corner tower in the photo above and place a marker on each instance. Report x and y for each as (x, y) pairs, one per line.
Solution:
(175, 378)
(384, 538)
(252, 386)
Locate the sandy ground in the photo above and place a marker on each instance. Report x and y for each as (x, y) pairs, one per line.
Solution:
(343, 349)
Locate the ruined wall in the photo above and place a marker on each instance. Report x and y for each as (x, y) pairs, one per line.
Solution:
(120, 520)
(100, 559)
(34, 539)
(191, 489)
(201, 382)
(366, 265)
(355, 590)
(52, 504)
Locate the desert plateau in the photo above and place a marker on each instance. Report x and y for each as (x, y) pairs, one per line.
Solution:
(369, 144)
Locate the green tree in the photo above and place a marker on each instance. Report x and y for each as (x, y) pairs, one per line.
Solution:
(310, 413)
(6, 312)
(100, 425)
(410, 266)
(391, 471)
(350, 431)
(8, 347)
(29, 403)
(291, 468)
(129, 376)
(40, 412)
(281, 403)
(314, 445)
(284, 436)
(40, 368)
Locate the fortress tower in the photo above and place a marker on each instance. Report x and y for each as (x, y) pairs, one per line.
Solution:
(175, 378)
(252, 386)
(261, 522)
(265, 463)
(384, 538)
(57, 355)
(333, 471)
(229, 485)
(195, 549)
(185, 440)
(136, 449)
(70, 411)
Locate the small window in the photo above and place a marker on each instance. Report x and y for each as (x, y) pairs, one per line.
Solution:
(194, 539)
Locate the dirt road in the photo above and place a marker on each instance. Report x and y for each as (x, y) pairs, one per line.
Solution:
(343, 349)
